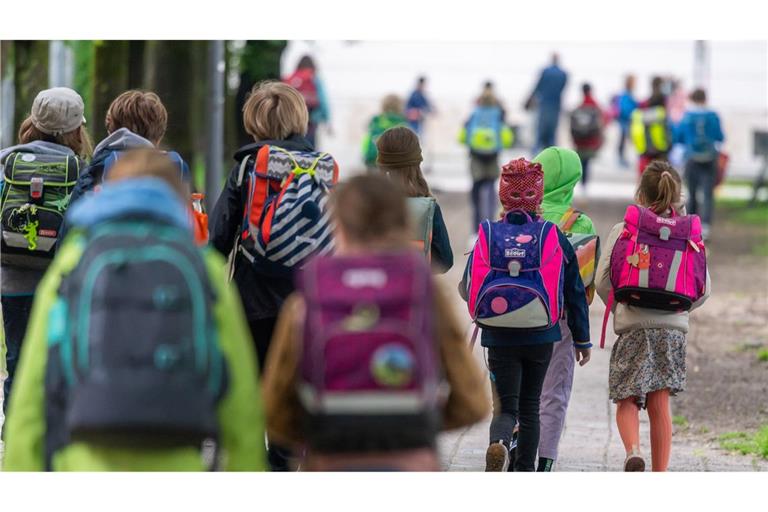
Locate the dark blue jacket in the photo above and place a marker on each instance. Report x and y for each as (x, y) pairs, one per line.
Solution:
(442, 254)
(549, 88)
(576, 310)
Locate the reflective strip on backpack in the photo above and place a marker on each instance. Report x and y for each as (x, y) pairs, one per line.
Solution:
(361, 402)
(674, 270)
(642, 278)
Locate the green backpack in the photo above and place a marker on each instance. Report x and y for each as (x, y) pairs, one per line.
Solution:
(379, 125)
(35, 196)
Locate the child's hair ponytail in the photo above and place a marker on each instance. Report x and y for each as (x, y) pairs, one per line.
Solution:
(659, 188)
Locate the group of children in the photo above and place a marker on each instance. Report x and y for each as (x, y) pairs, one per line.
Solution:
(128, 349)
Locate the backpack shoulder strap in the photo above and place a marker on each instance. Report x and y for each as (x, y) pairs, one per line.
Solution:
(568, 219)
(241, 172)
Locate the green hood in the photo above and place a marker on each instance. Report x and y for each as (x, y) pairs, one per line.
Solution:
(562, 171)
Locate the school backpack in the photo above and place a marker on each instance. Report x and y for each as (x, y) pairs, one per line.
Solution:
(649, 130)
(379, 125)
(35, 195)
(516, 274)
(198, 217)
(303, 80)
(587, 249)
(286, 219)
(702, 146)
(484, 130)
(133, 354)
(369, 373)
(586, 123)
(657, 262)
(421, 211)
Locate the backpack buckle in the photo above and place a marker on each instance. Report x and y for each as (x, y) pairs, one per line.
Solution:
(664, 233)
(514, 268)
(36, 188)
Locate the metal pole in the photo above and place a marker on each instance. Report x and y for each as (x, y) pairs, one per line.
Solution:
(701, 64)
(215, 130)
(60, 64)
(7, 95)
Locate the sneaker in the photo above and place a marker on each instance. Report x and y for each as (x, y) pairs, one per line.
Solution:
(497, 457)
(634, 462)
(513, 449)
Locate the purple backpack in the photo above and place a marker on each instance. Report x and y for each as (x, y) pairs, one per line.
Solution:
(516, 274)
(657, 262)
(369, 373)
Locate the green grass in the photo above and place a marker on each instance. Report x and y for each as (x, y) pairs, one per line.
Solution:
(741, 211)
(746, 444)
(762, 355)
(680, 421)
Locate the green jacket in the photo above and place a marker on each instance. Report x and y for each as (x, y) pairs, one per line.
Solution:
(241, 419)
(562, 171)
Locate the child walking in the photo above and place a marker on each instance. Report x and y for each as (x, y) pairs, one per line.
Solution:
(362, 350)
(648, 359)
(562, 171)
(52, 138)
(518, 277)
(137, 397)
(399, 157)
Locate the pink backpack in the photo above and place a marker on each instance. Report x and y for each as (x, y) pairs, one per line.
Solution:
(657, 262)
(516, 274)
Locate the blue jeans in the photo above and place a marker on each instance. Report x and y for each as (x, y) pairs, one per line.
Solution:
(16, 310)
(546, 128)
(700, 177)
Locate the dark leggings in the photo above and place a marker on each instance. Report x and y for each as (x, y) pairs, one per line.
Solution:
(517, 376)
(261, 332)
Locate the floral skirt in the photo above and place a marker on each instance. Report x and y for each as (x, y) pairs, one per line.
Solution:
(646, 360)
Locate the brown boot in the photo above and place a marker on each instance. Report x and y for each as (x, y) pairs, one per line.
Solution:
(497, 457)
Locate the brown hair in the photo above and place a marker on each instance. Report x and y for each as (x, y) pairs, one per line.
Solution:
(77, 140)
(142, 112)
(659, 187)
(403, 140)
(371, 210)
(137, 163)
(699, 96)
(275, 111)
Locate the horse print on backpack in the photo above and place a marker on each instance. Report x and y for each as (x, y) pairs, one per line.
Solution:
(369, 372)
(516, 274)
(659, 262)
(286, 219)
(133, 348)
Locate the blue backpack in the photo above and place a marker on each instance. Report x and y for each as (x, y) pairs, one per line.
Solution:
(702, 145)
(484, 130)
(113, 157)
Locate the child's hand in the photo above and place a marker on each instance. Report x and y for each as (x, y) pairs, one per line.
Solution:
(583, 355)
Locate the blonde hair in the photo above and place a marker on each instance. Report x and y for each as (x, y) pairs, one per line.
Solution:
(137, 163)
(392, 104)
(401, 139)
(275, 111)
(142, 112)
(659, 187)
(77, 140)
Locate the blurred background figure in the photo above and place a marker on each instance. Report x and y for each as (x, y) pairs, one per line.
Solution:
(418, 106)
(677, 101)
(548, 94)
(391, 115)
(485, 133)
(587, 123)
(624, 106)
(306, 80)
(701, 134)
(650, 128)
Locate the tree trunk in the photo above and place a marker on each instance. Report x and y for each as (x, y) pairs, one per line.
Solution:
(110, 80)
(30, 75)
